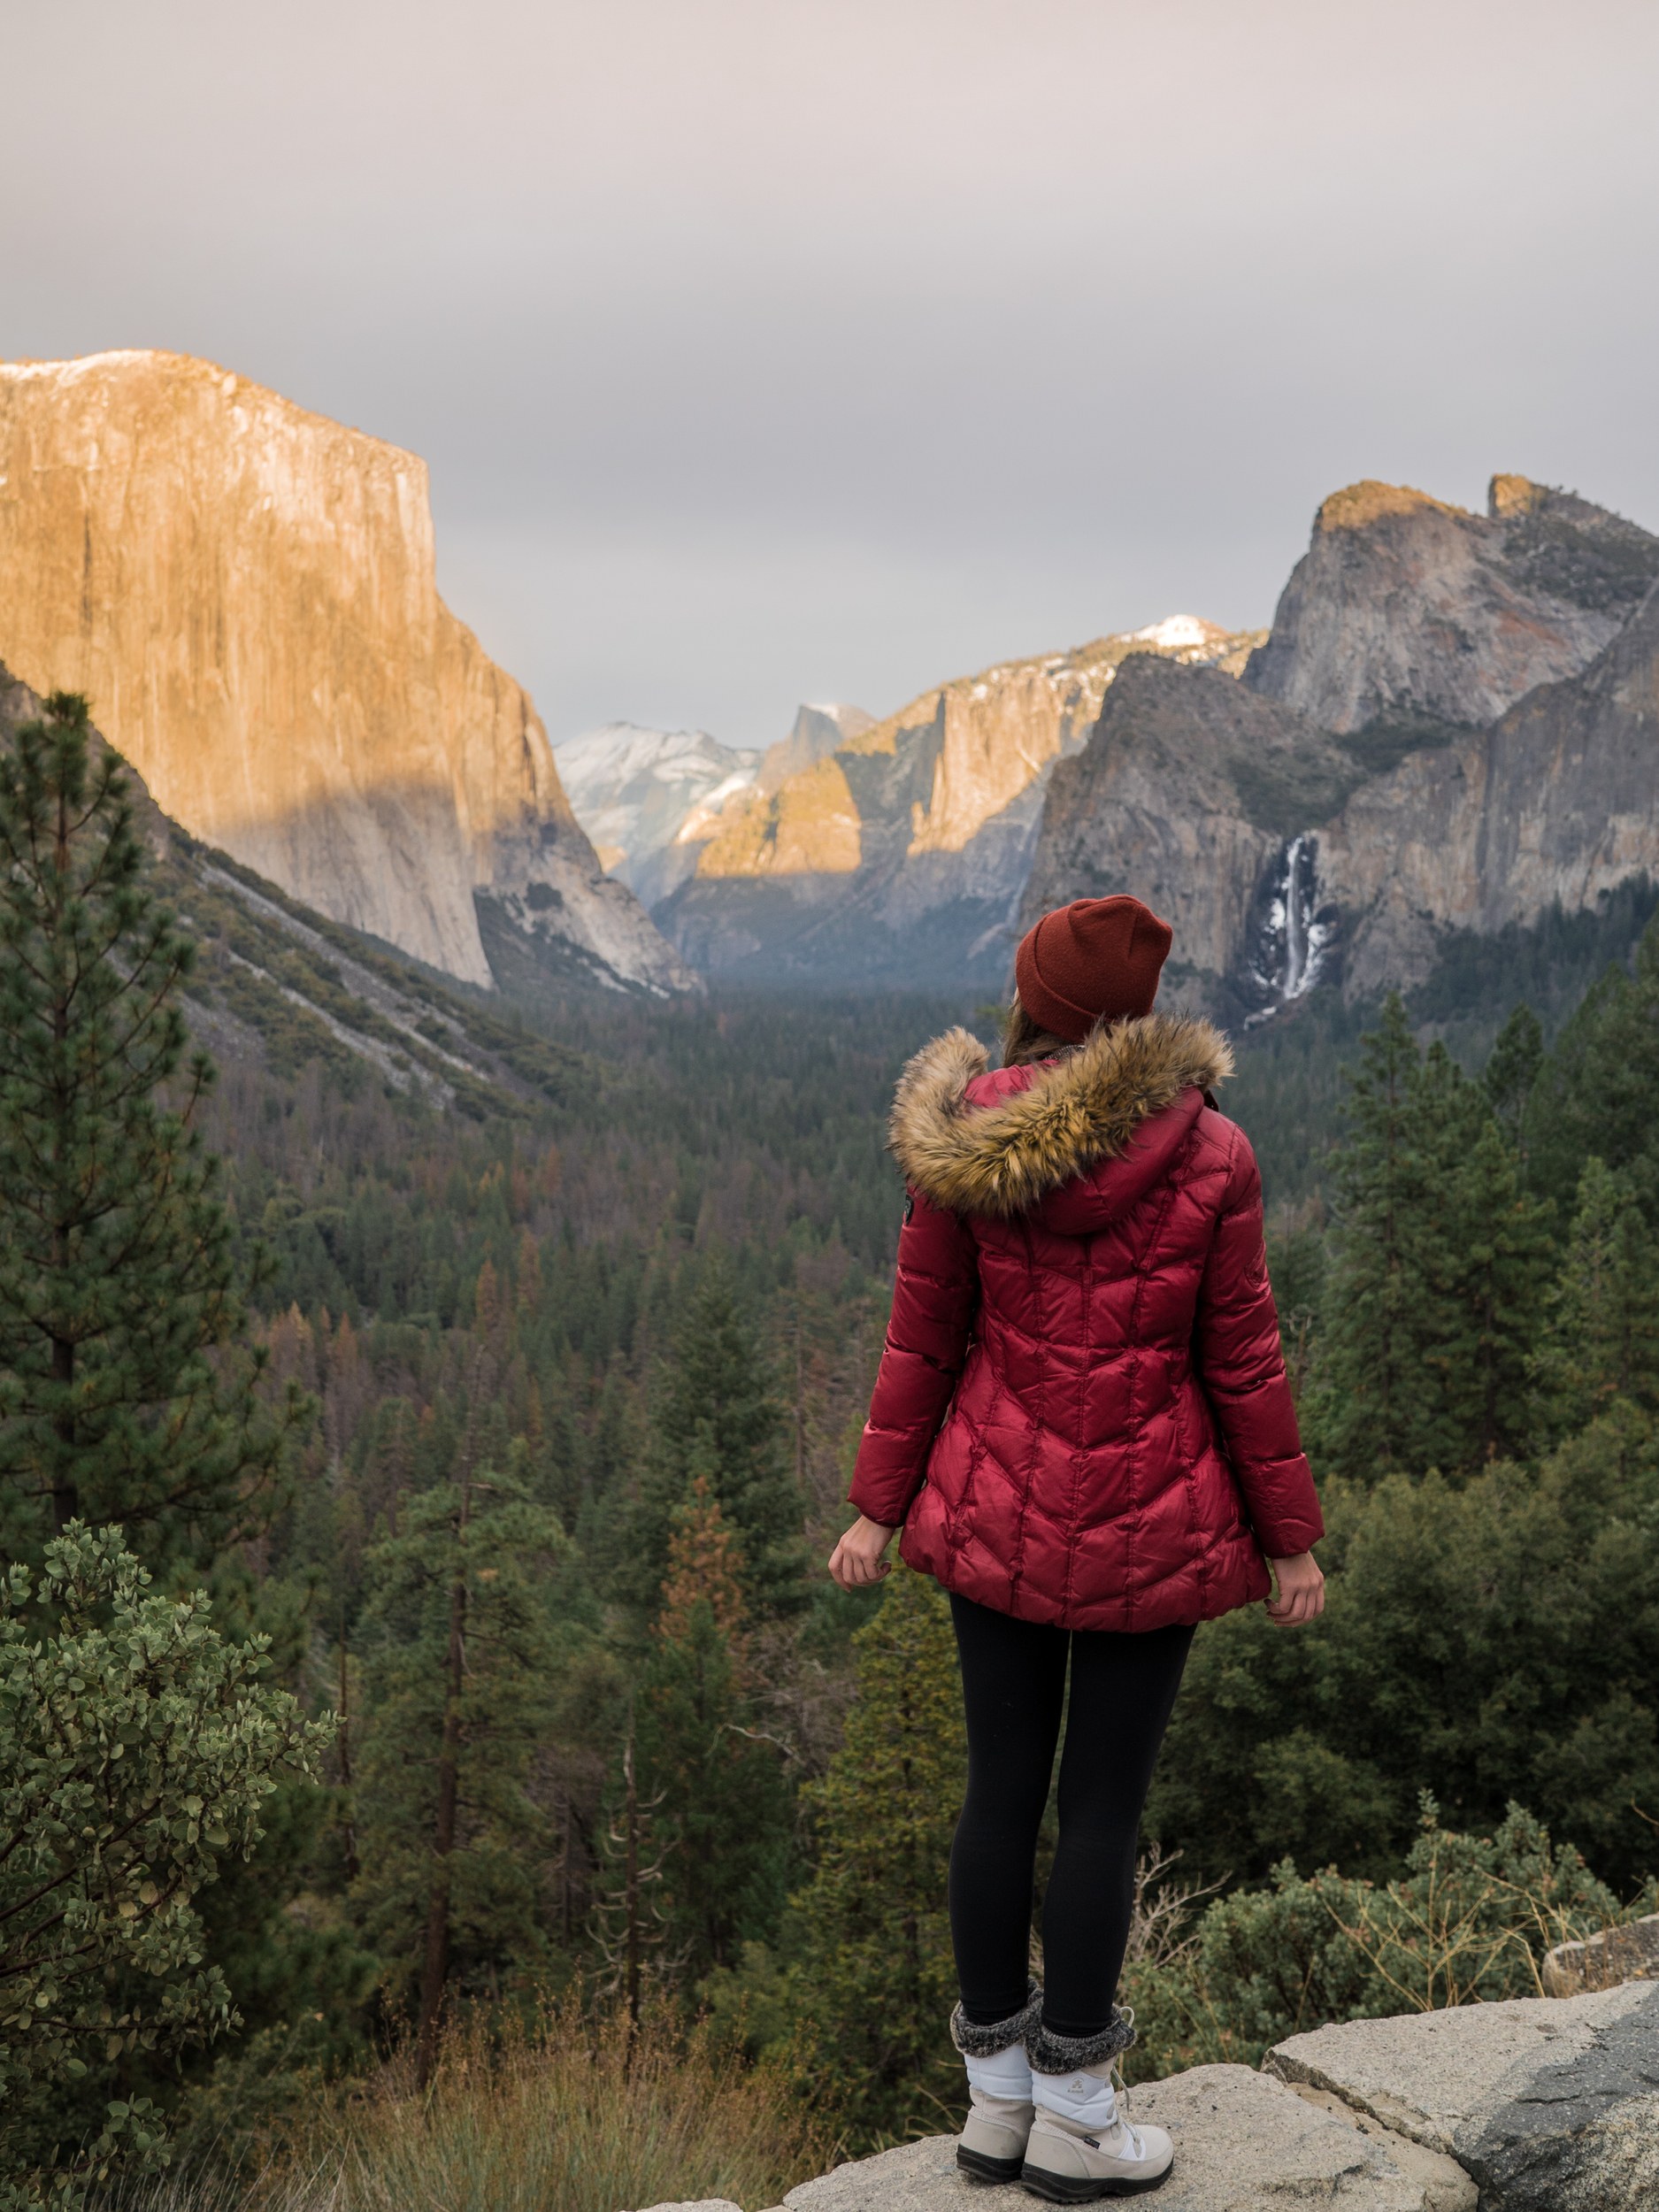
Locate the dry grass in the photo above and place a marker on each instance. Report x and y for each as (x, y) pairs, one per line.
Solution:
(556, 2117)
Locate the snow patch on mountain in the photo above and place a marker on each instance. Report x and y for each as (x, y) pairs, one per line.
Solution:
(1177, 631)
(637, 792)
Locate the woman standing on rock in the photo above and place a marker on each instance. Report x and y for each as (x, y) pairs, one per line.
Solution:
(1082, 1422)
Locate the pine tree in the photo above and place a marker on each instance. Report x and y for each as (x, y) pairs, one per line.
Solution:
(458, 1660)
(1594, 1093)
(1496, 1261)
(725, 1810)
(1372, 1401)
(705, 1567)
(1602, 1340)
(718, 1417)
(126, 1394)
(1440, 1266)
(874, 1971)
(1511, 1070)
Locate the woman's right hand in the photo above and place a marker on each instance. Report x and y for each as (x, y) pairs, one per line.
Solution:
(856, 1561)
(1299, 1591)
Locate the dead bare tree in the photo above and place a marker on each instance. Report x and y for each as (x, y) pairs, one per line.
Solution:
(630, 1922)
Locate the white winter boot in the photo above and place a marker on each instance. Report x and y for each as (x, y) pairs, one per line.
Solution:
(992, 2146)
(1081, 2143)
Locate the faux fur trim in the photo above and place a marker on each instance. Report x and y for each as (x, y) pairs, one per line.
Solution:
(976, 2041)
(1084, 1108)
(1052, 2053)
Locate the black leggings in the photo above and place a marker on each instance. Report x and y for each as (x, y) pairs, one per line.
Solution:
(1013, 1682)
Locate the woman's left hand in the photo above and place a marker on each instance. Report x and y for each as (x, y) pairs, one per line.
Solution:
(856, 1561)
(1299, 1591)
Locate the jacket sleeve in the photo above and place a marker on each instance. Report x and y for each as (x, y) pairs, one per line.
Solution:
(1242, 1369)
(935, 1295)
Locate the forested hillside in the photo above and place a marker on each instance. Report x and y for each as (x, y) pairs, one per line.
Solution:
(518, 1418)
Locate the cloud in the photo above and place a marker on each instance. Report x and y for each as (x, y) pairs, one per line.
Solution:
(764, 347)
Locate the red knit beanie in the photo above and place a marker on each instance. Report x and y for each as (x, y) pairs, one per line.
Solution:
(1096, 960)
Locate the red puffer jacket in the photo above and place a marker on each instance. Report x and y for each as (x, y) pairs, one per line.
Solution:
(1081, 1414)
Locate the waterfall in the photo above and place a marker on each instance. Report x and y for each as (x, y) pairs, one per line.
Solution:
(1294, 932)
(1299, 896)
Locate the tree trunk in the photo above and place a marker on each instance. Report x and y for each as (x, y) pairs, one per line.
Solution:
(631, 1888)
(65, 1496)
(347, 1826)
(436, 1960)
(800, 1407)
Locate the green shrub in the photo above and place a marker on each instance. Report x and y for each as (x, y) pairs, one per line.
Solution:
(1468, 1922)
(138, 1749)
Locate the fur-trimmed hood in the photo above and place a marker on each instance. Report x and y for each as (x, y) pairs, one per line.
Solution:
(1003, 1156)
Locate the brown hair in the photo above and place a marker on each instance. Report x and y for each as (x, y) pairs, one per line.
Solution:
(1024, 1042)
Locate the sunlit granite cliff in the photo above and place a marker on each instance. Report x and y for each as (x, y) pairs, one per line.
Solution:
(246, 594)
(900, 853)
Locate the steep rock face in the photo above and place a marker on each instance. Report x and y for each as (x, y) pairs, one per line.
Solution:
(1407, 617)
(815, 731)
(902, 853)
(1558, 800)
(1326, 820)
(1187, 791)
(278, 984)
(246, 594)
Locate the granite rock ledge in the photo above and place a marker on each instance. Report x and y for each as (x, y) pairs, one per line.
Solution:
(1538, 2105)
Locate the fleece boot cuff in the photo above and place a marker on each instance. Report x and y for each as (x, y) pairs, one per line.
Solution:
(1052, 2053)
(975, 2041)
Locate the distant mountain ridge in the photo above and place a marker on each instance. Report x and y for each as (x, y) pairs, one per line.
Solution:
(633, 791)
(1449, 728)
(899, 853)
(246, 593)
(651, 799)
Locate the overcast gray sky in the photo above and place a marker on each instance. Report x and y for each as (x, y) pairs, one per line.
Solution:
(771, 349)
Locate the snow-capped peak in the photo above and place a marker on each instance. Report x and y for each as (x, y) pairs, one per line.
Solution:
(1176, 631)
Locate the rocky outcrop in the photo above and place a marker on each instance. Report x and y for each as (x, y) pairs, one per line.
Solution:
(902, 853)
(1547, 2104)
(1628, 1953)
(1243, 2141)
(1407, 616)
(246, 594)
(1558, 801)
(1532, 2105)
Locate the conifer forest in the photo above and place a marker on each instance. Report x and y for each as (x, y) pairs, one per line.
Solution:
(418, 1664)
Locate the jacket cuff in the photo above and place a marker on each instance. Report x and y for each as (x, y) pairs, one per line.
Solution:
(1293, 1525)
(884, 1498)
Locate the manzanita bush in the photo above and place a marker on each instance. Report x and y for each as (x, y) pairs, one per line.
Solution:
(137, 1748)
